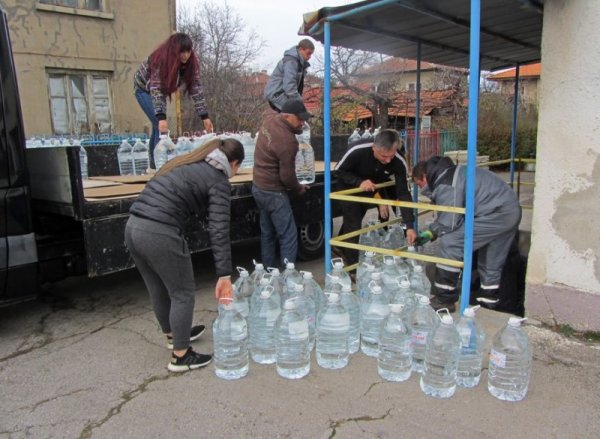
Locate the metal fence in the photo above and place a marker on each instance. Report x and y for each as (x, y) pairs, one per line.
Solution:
(431, 143)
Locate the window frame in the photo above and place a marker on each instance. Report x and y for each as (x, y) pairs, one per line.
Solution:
(102, 12)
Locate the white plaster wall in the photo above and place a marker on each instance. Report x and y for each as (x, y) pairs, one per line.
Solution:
(565, 248)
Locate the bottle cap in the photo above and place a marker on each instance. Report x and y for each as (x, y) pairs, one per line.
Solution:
(258, 265)
(264, 281)
(306, 274)
(515, 321)
(338, 265)
(396, 307)
(447, 319)
(290, 266)
(470, 312)
(266, 292)
(423, 300)
(370, 254)
(243, 272)
(333, 297)
(411, 248)
(298, 288)
(375, 289)
(346, 288)
(289, 304)
(418, 268)
(404, 284)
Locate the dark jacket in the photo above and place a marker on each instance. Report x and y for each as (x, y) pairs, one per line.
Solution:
(287, 80)
(147, 79)
(446, 185)
(359, 164)
(198, 190)
(275, 156)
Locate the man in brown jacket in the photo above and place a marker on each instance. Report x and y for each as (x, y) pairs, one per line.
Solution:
(274, 175)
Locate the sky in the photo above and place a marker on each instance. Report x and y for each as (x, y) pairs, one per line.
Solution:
(276, 21)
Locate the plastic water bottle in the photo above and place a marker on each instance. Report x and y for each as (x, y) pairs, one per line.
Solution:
(370, 238)
(333, 323)
(256, 275)
(374, 310)
(351, 303)
(355, 136)
(419, 282)
(394, 237)
(305, 305)
(313, 290)
(510, 362)
(243, 289)
(262, 327)
(403, 268)
(248, 143)
(183, 146)
(290, 276)
(292, 343)
(472, 338)
(363, 287)
(83, 162)
(264, 282)
(339, 272)
(230, 336)
(124, 158)
(421, 322)
(441, 360)
(394, 361)
(390, 275)
(140, 157)
(160, 151)
(277, 283)
(305, 157)
(404, 295)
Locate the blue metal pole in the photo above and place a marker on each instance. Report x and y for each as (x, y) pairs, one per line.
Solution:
(471, 152)
(417, 131)
(513, 139)
(327, 143)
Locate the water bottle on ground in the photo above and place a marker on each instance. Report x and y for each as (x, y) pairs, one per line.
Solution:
(404, 295)
(333, 324)
(313, 290)
(305, 305)
(259, 270)
(243, 289)
(290, 276)
(305, 157)
(441, 360)
(390, 274)
(338, 271)
(472, 339)
(125, 158)
(510, 362)
(262, 327)
(363, 288)
(351, 303)
(230, 336)
(421, 322)
(184, 145)
(83, 161)
(394, 237)
(370, 238)
(264, 282)
(277, 284)
(160, 151)
(139, 153)
(403, 267)
(394, 361)
(363, 277)
(374, 310)
(373, 258)
(419, 282)
(292, 342)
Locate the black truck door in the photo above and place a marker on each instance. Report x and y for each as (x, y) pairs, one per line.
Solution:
(18, 253)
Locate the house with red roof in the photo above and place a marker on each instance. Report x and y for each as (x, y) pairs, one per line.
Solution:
(529, 81)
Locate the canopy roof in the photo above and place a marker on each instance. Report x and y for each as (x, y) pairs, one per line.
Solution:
(511, 30)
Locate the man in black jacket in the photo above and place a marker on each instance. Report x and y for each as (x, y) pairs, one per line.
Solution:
(364, 166)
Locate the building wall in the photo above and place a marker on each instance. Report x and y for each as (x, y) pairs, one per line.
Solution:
(563, 274)
(113, 41)
(528, 89)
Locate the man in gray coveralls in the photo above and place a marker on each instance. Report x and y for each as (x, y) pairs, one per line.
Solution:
(497, 217)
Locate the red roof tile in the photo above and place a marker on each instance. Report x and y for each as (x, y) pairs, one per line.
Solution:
(526, 71)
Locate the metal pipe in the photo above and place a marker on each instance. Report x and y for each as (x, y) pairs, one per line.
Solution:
(513, 137)
(417, 131)
(471, 152)
(327, 143)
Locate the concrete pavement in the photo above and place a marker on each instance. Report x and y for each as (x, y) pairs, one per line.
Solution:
(88, 361)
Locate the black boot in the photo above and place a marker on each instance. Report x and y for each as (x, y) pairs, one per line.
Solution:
(488, 297)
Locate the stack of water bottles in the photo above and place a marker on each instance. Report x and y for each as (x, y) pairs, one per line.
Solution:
(279, 318)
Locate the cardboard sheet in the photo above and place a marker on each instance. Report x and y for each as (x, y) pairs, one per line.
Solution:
(113, 191)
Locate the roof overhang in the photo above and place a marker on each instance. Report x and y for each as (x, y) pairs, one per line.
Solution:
(511, 30)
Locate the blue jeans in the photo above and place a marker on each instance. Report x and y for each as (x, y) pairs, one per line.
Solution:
(276, 224)
(145, 101)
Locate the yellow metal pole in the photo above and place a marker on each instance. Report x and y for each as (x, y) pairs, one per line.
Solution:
(178, 112)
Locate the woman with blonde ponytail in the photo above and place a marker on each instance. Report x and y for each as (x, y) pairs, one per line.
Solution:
(193, 186)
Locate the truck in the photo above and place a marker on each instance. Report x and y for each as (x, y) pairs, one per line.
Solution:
(54, 223)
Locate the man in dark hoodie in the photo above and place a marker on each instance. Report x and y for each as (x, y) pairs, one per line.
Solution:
(287, 80)
(497, 217)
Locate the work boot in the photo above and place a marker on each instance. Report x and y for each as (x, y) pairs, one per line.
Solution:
(437, 303)
(488, 297)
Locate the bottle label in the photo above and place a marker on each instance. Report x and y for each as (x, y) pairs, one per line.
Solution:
(239, 331)
(298, 330)
(465, 336)
(498, 359)
(419, 337)
(271, 316)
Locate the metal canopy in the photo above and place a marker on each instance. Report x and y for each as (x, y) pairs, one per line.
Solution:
(511, 30)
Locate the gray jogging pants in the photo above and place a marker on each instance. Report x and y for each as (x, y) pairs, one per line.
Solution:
(492, 236)
(162, 257)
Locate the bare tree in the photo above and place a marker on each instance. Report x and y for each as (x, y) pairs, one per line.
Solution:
(225, 48)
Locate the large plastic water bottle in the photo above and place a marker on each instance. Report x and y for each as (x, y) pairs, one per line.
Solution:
(394, 237)
(421, 322)
(124, 158)
(363, 287)
(333, 324)
(404, 295)
(313, 289)
(305, 157)
(394, 361)
(160, 151)
(248, 143)
(183, 146)
(277, 283)
(419, 282)
(243, 289)
(262, 327)
(305, 305)
(510, 362)
(374, 310)
(338, 271)
(390, 275)
(139, 153)
(256, 275)
(292, 342)
(441, 360)
(355, 136)
(230, 337)
(83, 161)
(290, 276)
(264, 282)
(403, 267)
(350, 301)
(472, 338)
(370, 238)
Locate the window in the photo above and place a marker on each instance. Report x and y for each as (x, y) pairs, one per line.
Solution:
(93, 5)
(80, 102)
(411, 86)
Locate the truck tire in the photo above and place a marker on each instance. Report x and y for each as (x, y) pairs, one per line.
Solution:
(311, 238)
